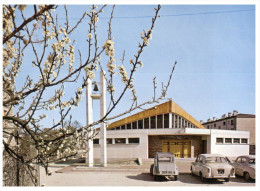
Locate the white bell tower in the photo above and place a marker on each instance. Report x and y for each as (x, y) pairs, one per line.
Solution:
(103, 139)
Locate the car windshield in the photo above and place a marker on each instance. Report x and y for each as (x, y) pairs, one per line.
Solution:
(216, 159)
(251, 161)
(166, 159)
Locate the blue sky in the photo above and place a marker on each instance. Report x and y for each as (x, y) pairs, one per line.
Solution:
(213, 44)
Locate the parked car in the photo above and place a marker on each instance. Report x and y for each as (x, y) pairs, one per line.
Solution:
(245, 166)
(212, 166)
(164, 165)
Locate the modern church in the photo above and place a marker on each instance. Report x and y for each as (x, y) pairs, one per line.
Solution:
(168, 128)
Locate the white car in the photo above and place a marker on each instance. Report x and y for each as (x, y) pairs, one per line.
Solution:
(164, 165)
(212, 166)
(245, 166)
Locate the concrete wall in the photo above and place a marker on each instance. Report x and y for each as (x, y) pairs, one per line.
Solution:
(231, 150)
(124, 151)
(247, 124)
(146, 148)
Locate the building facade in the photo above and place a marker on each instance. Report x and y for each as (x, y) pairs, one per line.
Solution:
(235, 121)
(168, 128)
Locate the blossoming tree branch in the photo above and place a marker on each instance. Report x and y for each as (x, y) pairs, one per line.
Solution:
(55, 63)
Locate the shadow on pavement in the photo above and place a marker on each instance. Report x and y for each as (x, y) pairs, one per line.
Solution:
(241, 179)
(189, 179)
(143, 176)
(185, 178)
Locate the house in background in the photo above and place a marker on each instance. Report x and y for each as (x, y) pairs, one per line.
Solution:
(235, 121)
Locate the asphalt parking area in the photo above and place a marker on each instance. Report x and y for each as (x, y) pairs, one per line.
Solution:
(83, 178)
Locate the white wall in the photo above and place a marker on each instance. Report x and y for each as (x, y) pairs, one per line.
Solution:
(123, 151)
(231, 150)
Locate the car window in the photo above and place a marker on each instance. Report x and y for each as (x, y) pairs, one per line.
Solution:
(197, 159)
(243, 160)
(166, 159)
(216, 159)
(251, 161)
(238, 160)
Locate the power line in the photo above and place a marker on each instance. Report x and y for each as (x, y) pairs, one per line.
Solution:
(184, 14)
(174, 15)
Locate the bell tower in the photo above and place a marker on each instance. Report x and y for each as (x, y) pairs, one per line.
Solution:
(101, 95)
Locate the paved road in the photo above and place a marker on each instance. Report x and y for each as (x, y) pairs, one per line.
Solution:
(131, 178)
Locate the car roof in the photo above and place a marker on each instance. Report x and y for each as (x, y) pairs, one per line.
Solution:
(164, 154)
(212, 155)
(248, 156)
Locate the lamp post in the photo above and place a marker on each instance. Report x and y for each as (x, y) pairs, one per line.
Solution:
(89, 107)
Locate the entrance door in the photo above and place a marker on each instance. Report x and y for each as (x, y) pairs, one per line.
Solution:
(180, 148)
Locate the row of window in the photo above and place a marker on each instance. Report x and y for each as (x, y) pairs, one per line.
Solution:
(231, 122)
(157, 122)
(232, 141)
(119, 141)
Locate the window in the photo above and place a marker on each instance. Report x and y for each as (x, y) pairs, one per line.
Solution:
(238, 160)
(159, 121)
(207, 126)
(215, 125)
(128, 126)
(216, 159)
(251, 161)
(232, 122)
(153, 122)
(118, 128)
(134, 125)
(236, 140)
(244, 141)
(224, 122)
(120, 140)
(140, 124)
(166, 159)
(243, 160)
(123, 127)
(219, 140)
(228, 140)
(146, 123)
(109, 141)
(133, 140)
(95, 141)
(166, 120)
(176, 117)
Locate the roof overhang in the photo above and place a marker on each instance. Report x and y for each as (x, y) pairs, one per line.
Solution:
(164, 108)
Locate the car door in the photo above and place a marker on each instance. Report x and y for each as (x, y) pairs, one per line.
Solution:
(194, 165)
(198, 167)
(238, 166)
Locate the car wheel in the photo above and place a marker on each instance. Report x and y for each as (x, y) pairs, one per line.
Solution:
(246, 176)
(226, 179)
(151, 170)
(192, 173)
(203, 179)
(156, 178)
